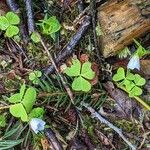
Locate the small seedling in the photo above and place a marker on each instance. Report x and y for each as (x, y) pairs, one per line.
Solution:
(82, 73)
(50, 26)
(8, 23)
(34, 77)
(141, 51)
(35, 37)
(22, 102)
(131, 82)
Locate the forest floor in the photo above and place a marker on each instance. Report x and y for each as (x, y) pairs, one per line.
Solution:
(58, 89)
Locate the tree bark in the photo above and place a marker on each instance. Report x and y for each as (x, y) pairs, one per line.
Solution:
(121, 21)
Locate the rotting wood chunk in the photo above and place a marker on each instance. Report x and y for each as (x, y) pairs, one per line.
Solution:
(121, 21)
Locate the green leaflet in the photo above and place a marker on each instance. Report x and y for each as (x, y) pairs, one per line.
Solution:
(19, 111)
(83, 73)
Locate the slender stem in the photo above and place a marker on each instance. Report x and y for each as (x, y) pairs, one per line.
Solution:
(137, 98)
(69, 92)
(103, 120)
(30, 21)
(142, 102)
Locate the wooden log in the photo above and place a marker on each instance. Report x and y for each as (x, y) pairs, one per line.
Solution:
(121, 21)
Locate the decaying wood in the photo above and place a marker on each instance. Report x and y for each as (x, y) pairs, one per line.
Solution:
(52, 139)
(121, 21)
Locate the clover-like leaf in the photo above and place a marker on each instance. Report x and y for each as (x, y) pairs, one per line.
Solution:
(136, 91)
(35, 37)
(32, 76)
(12, 18)
(130, 76)
(86, 71)
(128, 84)
(120, 75)
(36, 113)
(11, 31)
(19, 111)
(75, 68)
(139, 80)
(15, 98)
(80, 84)
(29, 99)
(4, 23)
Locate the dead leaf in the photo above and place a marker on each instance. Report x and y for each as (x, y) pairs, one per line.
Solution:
(125, 107)
(45, 144)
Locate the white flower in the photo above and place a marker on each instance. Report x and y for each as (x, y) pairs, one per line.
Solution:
(37, 124)
(134, 63)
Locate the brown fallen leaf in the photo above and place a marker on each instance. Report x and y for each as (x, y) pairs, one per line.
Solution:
(77, 144)
(45, 144)
(125, 107)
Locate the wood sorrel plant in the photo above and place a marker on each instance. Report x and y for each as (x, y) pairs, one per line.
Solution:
(131, 82)
(82, 73)
(8, 23)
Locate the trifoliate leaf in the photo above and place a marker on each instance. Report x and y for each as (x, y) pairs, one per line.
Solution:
(4, 23)
(11, 31)
(136, 91)
(38, 73)
(19, 111)
(37, 113)
(29, 99)
(32, 76)
(80, 84)
(86, 71)
(2, 121)
(139, 80)
(35, 37)
(120, 75)
(128, 84)
(130, 76)
(15, 98)
(75, 68)
(12, 18)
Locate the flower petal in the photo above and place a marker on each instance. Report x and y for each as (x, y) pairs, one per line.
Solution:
(37, 124)
(134, 63)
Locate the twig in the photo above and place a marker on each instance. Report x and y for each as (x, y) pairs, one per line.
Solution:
(52, 139)
(59, 74)
(69, 48)
(30, 21)
(12, 5)
(93, 14)
(103, 120)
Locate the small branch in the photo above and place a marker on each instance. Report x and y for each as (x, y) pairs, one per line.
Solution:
(103, 120)
(12, 5)
(52, 139)
(30, 21)
(69, 48)
(69, 92)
